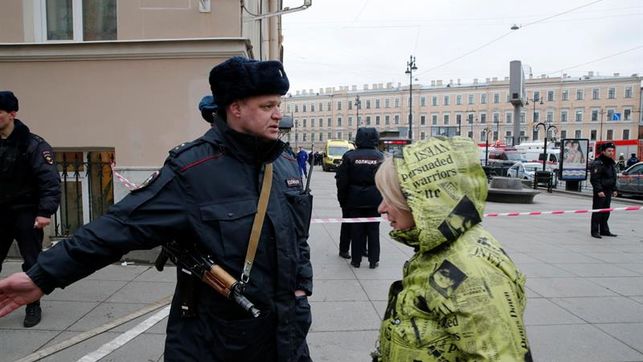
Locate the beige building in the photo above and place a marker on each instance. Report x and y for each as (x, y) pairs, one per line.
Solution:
(120, 80)
(577, 107)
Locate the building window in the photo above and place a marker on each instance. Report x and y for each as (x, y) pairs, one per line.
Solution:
(422, 101)
(483, 135)
(563, 134)
(627, 114)
(496, 98)
(592, 135)
(610, 114)
(483, 118)
(397, 119)
(565, 95)
(350, 135)
(77, 20)
(536, 96)
(596, 93)
(377, 120)
(470, 98)
(446, 100)
(303, 123)
(377, 103)
(446, 118)
(321, 136)
(397, 103)
(626, 134)
(329, 105)
(350, 121)
(328, 122)
(578, 134)
(470, 134)
(339, 121)
(339, 135)
(579, 94)
(434, 101)
(550, 116)
(339, 105)
(368, 104)
(422, 135)
(303, 137)
(387, 120)
(330, 135)
(458, 119)
(368, 120)
(387, 103)
(458, 99)
(508, 117)
(296, 108)
(610, 135)
(496, 117)
(594, 115)
(423, 120)
(434, 119)
(579, 115)
(312, 108)
(312, 123)
(536, 116)
(563, 116)
(303, 108)
(534, 134)
(611, 93)
(550, 96)
(522, 117)
(483, 99)
(628, 92)
(470, 118)
(350, 105)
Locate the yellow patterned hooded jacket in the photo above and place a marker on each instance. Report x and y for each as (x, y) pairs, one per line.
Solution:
(461, 297)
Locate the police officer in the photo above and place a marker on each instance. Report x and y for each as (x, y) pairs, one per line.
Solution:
(29, 190)
(206, 195)
(603, 180)
(356, 192)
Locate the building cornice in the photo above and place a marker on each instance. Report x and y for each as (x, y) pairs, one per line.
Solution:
(125, 50)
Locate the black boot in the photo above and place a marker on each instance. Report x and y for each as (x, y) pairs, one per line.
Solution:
(33, 315)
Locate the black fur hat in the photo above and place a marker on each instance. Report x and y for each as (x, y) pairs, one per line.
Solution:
(605, 146)
(239, 78)
(8, 101)
(207, 107)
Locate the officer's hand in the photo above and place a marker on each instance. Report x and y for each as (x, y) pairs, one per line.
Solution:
(17, 290)
(601, 194)
(41, 222)
(614, 193)
(300, 293)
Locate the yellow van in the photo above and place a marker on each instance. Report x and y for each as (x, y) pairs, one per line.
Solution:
(333, 153)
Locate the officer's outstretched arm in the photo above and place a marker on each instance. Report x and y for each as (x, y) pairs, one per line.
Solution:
(145, 218)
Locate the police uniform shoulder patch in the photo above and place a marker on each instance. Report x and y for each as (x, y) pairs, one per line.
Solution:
(148, 181)
(293, 182)
(48, 157)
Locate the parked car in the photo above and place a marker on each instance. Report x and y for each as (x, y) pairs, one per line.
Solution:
(630, 181)
(526, 171)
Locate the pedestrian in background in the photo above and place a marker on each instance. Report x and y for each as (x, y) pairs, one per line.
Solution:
(621, 162)
(633, 160)
(356, 192)
(205, 199)
(302, 158)
(603, 180)
(461, 297)
(29, 191)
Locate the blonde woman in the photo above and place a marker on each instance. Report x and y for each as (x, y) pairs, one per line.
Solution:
(461, 297)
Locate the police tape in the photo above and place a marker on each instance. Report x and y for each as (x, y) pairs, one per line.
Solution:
(132, 186)
(491, 214)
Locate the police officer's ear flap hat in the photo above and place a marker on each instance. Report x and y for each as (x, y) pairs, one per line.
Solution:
(605, 146)
(8, 101)
(239, 78)
(207, 107)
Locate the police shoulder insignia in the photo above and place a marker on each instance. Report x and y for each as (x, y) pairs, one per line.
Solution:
(48, 157)
(293, 182)
(148, 181)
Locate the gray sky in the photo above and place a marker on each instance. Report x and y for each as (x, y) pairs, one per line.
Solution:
(353, 42)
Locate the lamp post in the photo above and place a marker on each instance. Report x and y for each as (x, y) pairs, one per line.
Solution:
(296, 136)
(468, 111)
(486, 145)
(358, 104)
(410, 67)
(533, 101)
(546, 128)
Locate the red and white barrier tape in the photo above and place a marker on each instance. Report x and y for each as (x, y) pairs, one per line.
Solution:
(131, 186)
(491, 214)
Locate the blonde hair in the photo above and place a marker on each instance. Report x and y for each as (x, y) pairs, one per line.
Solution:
(388, 183)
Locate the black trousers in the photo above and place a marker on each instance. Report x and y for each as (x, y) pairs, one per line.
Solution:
(345, 233)
(18, 225)
(599, 219)
(363, 234)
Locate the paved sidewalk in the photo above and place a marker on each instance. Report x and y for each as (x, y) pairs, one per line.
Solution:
(585, 295)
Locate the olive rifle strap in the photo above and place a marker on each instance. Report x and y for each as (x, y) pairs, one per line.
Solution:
(257, 223)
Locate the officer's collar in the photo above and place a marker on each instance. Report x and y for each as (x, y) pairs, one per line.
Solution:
(248, 148)
(20, 132)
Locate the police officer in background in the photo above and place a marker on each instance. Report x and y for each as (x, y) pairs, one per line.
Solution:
(603, 180)
(356, 192)
(206, 196)
(29, 191)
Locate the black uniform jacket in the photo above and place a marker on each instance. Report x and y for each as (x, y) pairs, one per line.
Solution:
(206, 194)
(603, 174)
(355, 177)
(28, 175)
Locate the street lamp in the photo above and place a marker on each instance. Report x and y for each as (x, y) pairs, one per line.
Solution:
(533, 101)
(546, 128)
(296, 136)
(471, 119)
(410, 67)
(358, 105)
(486, 145)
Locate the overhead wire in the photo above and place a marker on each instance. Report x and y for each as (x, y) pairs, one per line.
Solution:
(596, 60)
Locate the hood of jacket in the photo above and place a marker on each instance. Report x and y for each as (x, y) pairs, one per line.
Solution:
(366, 137)
(445, 187)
